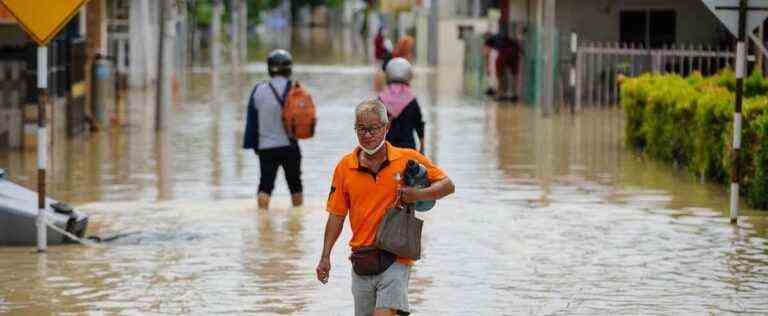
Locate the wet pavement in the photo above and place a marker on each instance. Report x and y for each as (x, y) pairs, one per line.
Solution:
(552, 215)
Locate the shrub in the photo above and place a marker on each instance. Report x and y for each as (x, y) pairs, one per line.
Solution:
(754, 110)
(634, 96)
(713, 114)
(689, 121)
(727, 79)
(758, 190)
(666, 126)
(755, 85)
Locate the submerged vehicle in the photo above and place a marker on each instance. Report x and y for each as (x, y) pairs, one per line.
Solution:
(18, 217)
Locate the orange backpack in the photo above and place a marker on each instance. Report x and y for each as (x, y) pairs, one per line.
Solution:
(299, 117)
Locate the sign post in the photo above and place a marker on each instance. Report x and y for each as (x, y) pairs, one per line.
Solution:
(42, 25)
(741, 65)
(739, 18)
(42, 148)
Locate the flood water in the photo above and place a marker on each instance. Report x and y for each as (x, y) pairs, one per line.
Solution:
(552, 215)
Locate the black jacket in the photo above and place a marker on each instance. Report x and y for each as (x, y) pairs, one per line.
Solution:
(251, 136)
(402, 127)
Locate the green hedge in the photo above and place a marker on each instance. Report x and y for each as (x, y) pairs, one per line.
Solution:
(689, 122)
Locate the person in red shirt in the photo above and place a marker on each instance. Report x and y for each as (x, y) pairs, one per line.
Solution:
(380, 45)
(366, 183)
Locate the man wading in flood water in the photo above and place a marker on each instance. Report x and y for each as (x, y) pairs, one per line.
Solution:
(366, 183)
(265, 132)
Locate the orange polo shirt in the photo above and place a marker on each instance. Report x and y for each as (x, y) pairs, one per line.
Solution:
(366, 196)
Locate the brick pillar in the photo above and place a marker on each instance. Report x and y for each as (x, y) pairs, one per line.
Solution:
(96, 42)
(96, 27)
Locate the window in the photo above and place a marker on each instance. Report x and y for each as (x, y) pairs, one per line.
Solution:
(633, 27)
(648, 27)
(663, 28)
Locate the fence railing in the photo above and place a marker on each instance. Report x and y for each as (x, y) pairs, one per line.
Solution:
(598, 66)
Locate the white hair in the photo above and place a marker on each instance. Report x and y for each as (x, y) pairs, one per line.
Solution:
(372, 106)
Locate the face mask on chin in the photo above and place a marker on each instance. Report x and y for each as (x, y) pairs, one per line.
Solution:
(367, 151)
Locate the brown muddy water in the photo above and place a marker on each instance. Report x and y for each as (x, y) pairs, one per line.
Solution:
(552, 215)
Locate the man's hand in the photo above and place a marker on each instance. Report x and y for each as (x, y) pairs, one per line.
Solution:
(410, 195)
(323, 269)
(435, 191)
(332, 231)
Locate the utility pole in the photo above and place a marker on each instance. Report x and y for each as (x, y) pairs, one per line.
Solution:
(476, 8)
(434, 19)
(216, 35)
(572, 75)
(760, 57)
(550, 59)
(244, 30)
(164, 67)
(234, 28)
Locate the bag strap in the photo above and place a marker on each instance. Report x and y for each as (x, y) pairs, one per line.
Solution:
(398, 196)
(281, 100)
(405, 207)
(288, 87)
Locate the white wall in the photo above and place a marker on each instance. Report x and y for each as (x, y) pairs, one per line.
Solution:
(142, 30)
(518, 10)
(598, 20)
(450, 46)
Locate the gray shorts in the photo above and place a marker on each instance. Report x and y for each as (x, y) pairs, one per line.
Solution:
(386, 290)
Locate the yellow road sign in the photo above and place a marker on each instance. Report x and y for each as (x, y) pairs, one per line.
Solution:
(43, 19)
(6, 17)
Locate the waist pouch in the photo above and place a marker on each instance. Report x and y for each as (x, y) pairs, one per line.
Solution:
(371, 260)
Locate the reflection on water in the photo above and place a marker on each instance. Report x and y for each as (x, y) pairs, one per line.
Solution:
(551, 215)
(316, 46)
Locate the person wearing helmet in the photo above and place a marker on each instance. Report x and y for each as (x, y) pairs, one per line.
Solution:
(402, 107)
(265, 133)
(404, 49)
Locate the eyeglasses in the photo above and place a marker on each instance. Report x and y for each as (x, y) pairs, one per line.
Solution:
(370, 130)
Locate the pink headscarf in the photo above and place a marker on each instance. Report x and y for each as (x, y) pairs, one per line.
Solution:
(396, 97)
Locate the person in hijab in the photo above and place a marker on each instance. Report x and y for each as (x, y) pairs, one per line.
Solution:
(404, 49)
(402, 108)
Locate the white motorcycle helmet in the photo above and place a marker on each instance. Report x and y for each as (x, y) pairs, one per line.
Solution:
(398, 70)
